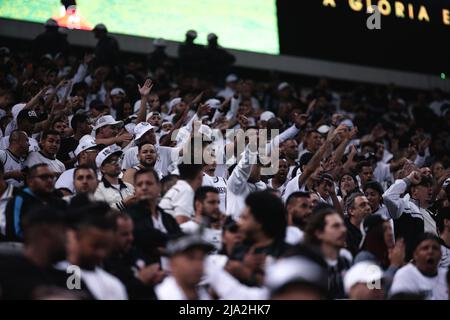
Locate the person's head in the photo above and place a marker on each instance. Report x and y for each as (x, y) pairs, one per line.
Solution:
(283, 170)
(96, 108)
(155, 119)
(100, 31)
(302, 276)
(187, 257)
(365, 171)
(109, 160)
(374, 193)
(26, 120)
(423, 191)
(357, 207)
(313, 140)
(154, 101)
(326, 227)
(147, 155)
(144, 132)
(60, 125)
(192, 173)
(85, 179)
(290, 149)
(88, 156)
(45, 232)
(299, 208)
(263, 216)
(443, 221)
(347, 184)
(168, 182)
(324, 185)
(147, 185)
(40, 179)
(18, 142)
(212, 40)
(363, 281)
(231, 235)
(80, 124)
(207, 203)
(50, 142)
(124, 232)
(378, 238)
(427, 254)
(304, 160)
(117, 96)
(91, 239)
(437, 170)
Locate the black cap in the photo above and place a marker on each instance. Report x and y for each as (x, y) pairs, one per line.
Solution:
(423, 237)
(29, 115)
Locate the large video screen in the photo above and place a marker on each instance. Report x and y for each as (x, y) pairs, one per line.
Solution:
(249, 25)
(413, 34)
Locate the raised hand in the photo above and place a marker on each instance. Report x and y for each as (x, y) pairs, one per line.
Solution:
(203, 110)
(300, 120)
(146, 88)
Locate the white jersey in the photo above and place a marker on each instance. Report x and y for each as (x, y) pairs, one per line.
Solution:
(11, 163)
(409, 279)
(221, 185)
(38, 157)
(179, 200)
(165, 163)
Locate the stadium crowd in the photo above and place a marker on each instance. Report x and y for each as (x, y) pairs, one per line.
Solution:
(99, 198)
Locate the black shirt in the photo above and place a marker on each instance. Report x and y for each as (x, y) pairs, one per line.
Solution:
(66, 151)
(354, 236)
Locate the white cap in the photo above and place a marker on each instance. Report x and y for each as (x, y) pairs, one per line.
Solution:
(86, 142)
(283, 85)
(192, 34)
(362, 272)
(266, 115)
(118, 91)
(141, 128)
(100, 26)
(323, 129)
(212, 36)
(51, 23)
(16, 109)
(231, 78)
(173, 103)
(213, 103)
(106, 121)
(160, 42)
(295, 269)
(347, 122)
(106, 153)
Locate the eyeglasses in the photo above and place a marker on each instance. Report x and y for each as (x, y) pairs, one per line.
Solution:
(45, 177)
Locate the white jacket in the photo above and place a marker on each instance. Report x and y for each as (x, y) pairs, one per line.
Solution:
(113, 196)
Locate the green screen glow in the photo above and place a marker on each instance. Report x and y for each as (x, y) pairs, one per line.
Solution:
(249, 25)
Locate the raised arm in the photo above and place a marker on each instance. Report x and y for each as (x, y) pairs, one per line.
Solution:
(144, 91)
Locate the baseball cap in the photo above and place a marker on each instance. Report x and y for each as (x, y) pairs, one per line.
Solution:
(323, 129)
(213, 103)
(231, 78)
(295, 269)
(362, 272)
(141, 128)
(185, 243)
(266, 115)
(173, 103)
(283, 85)
(86, 142)
(118, 91)
(106, 153)
(29, 115)
(107, 120)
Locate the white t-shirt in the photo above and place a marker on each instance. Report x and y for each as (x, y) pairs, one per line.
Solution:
(179, 200)
(280, 188)
(11, 163)
(37, 157)
(170, 290)
(165, 163)
(291, 187)
(409, 279)
(34, 145)
(221, 185)
(210, 235)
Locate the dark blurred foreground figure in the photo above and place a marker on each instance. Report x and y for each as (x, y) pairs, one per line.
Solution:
(107, 49)
(51, 41)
